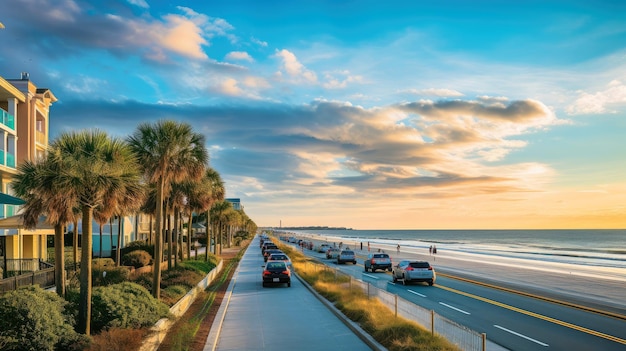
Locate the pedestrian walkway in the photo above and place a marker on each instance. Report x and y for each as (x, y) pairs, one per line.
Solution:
(275, 318)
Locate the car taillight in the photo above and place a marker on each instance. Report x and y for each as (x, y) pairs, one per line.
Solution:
(373, 261)
(430, 268)
(266, 272)
(285, 272)
(409, 268)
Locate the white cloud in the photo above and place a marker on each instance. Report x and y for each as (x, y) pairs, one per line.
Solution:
(240, 56)
(139, 3)
(435, 92)
(229, 86)
(601, 101)
(294, 68)
(259, 42)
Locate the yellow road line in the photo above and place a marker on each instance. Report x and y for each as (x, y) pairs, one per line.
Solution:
(536, 315)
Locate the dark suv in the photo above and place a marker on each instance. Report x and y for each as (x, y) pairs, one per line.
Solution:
(376, 261)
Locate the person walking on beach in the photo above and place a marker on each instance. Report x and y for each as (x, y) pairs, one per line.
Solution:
(430, 250)
(361, 246)
(368, 246)
(398, 248)
(434, 250)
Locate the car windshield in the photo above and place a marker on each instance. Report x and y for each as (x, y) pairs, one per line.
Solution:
(276, 265)
(278, 257)
(348, 253)
(381, 256)
(419, 264)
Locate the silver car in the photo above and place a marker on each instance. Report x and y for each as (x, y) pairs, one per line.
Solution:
(414, 271)
(346, 256)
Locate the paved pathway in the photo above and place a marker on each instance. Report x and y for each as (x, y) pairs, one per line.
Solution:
(275, 318)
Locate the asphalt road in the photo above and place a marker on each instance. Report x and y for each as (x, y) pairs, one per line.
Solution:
(512, 320)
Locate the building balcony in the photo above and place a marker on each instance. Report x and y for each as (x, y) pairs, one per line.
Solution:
(8, 161)
(40, 137)
(7, 119)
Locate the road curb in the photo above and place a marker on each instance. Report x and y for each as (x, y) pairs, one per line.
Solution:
(216, 328)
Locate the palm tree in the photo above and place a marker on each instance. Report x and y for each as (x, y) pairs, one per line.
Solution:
(168, 152)
(97, 171)
(218, 191)
(218, 219)
(37, 184)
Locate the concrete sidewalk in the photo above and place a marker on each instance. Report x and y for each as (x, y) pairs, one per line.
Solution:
(277, 318)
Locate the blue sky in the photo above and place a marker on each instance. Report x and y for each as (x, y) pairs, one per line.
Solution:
(364, 114)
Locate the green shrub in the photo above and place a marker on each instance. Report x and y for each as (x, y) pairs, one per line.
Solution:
(180, 276)
(200, 266)
(104, 272)
(34, 319)
(173, 293)
(137, 259)
(138, 245)
(144, 279)
(125, 305)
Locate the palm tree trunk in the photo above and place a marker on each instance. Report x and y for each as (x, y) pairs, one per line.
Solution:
(175, 237)
(111, 236)
(75, 246)
(118, 254)
(59, 259)
(100, 225)
(169, 240)
(84, 303)
(150, 232)
(158, 243)
(189, 232)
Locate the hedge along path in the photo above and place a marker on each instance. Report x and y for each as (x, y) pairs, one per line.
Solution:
(189, 332)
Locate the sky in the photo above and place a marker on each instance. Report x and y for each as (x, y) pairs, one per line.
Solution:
(359, 114)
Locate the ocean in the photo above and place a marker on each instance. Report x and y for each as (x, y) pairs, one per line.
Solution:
(588, 247)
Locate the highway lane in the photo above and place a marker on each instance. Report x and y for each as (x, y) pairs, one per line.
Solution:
(514, 321)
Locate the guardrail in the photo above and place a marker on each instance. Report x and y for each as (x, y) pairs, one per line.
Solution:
(464, 337)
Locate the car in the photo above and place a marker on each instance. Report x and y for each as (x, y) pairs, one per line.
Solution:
(276, 272)
(322, 248)
(332, 252)
(268, 245)
(268, 252)
(279, 257)
(414, 271)
(346, 256)
(376, 261)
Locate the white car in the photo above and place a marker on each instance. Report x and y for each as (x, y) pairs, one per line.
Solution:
(414, 271)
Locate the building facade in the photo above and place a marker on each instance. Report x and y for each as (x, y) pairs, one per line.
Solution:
(24, 131)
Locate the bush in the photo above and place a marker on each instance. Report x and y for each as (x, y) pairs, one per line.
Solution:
(125, 305)
(145, 280)
(34, 319)
(138, 245)
(114, 275)
(180, 276)
(117, 339)
(137, 259)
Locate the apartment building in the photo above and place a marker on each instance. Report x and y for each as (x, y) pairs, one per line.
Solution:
(24, 130)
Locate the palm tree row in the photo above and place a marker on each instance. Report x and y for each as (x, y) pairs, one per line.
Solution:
(161, 169)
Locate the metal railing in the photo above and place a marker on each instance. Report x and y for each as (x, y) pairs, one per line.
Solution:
(7, 119)
(44, 278)
(461, 336)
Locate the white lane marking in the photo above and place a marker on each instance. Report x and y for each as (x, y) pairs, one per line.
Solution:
(416, 293)
(521, 335)
(371, 276)
(454, 308)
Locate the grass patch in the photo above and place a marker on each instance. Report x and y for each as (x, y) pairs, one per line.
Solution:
(394, 333)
